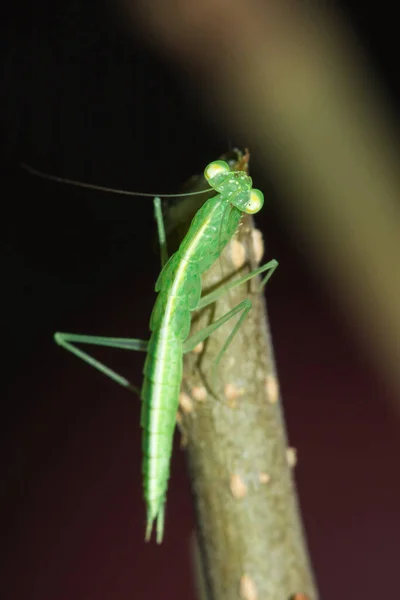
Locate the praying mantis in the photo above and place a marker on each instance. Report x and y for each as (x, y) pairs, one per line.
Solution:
(179, 294)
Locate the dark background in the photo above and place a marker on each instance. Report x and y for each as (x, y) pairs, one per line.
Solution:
(83, 98)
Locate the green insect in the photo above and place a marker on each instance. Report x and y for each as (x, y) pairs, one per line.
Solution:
(179, 293)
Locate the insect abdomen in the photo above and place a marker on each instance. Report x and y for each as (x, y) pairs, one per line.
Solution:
(160, 398)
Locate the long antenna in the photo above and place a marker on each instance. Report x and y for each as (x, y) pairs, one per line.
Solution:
(101, 188)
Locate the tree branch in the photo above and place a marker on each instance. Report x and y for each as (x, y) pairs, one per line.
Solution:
(249, 529)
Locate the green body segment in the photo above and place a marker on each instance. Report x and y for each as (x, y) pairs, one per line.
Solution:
(179, 291)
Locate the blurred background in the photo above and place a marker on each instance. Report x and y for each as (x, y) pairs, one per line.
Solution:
(89, 93)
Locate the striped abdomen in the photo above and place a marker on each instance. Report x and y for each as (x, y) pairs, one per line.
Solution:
(160, 397)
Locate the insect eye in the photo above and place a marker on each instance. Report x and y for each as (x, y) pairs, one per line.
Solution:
(255, 203)
(217, 167)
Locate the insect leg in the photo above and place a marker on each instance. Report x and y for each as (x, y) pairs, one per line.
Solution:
(158, 215)
(67, 341)
(201, 335)
(213, 296)
(270, 268)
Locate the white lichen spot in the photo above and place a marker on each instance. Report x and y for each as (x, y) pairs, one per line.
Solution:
(264, 478)
(199, 348)
(291, 456)
(184, 440)
(272, 389)
(238, 486)
(258, 244)
(199, 393)
(232, 392)
(185, 403)
(248, 589)
(238, 253)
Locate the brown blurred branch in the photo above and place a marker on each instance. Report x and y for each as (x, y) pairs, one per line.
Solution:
(249, 528)
(293, 83)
